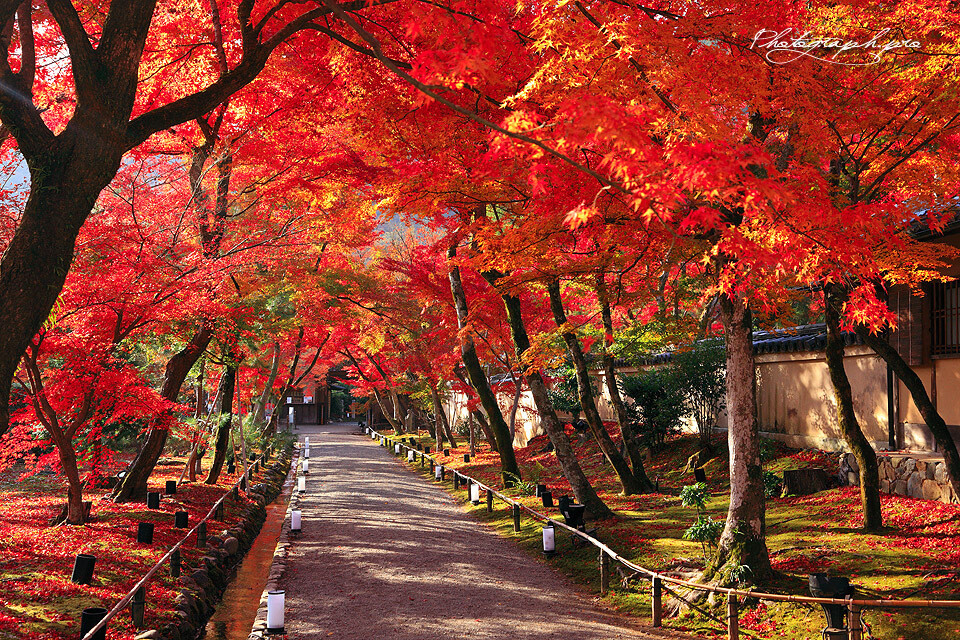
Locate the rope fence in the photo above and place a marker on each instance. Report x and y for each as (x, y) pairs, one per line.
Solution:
(854, 606)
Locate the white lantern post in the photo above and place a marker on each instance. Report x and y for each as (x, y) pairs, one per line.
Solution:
(474, 493)
(438, 471)
(549, 539)
(275, 612)
(301, 484)
(296, 518)
(305, 466)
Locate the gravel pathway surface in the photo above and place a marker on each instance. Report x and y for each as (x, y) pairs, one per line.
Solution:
(385, 555)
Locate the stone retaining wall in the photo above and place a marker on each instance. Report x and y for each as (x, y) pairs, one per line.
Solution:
(202, 587)
(905, 477)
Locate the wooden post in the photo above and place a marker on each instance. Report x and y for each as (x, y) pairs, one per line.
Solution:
(456, 480)
(473, 442)
(733, 619)
(175, 563)
(657, 602)
(853, 621)
(489, 500)
(604, 572)
(516, 518)
(202, 534)
(218, 513)
(137, 606)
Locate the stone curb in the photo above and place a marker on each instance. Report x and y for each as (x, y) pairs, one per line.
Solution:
(201, 587)
(279, 564)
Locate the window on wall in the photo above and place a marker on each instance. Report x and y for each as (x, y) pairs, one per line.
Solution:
(945, 316)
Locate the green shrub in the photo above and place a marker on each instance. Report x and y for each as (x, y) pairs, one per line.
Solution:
(658, 404)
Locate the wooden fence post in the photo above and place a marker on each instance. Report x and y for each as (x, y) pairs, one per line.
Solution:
(175, 563)
(853, 622)
(137, 606)
(604, 572)
(202, 534)
(456, 480)
(657, 602)
(489, 500)
(733, 619)
(516, 518)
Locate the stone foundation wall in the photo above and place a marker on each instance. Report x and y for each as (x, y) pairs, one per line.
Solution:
(904, 477)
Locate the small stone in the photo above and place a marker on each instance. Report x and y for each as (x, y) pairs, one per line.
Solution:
(900, 487)
(885, 486)
(152, 634)
(231, 545)
(915, 485)
(853, 479)
(909, 466)
(930, 471)
(852, 463)
(930, 490)
(940, 473)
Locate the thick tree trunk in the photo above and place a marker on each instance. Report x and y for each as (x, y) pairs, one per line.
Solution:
(442, 421)
(834, 298)
(743, 542)
(929, 413)
(64, 185)
(582, 489)
(134, 484)
(224, 423)
(628, 483)
(509, 469)
(631, 441)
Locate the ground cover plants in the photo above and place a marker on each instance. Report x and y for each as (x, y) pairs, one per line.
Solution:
(915, 556)
(39, 601)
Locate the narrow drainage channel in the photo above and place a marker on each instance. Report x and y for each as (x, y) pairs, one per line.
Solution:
(237, 610)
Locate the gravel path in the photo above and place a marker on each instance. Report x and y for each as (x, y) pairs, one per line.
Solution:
(386, 555)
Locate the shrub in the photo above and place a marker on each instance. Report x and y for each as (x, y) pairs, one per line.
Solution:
(658, 404)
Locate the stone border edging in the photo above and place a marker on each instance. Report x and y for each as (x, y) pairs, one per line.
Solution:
(202, 588)
(279, 564)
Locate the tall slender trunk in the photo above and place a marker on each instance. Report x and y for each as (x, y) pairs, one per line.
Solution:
(628, 483)
(934, 421)
(224, 423)
(834, 298)
(478, 415)
(572, 471)
(631, 440)
(517, 391)
(509, 469)
(134, 484)
(70, 469)
(743, 541)
(258, 411)
(442, 422)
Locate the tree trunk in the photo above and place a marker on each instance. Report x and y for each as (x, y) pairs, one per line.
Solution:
(68, 465)
(134, 484)
(631, 441)
(509, 469)
(572, 471)
(258, 412)
(478, 415)
(834, 298)
(64, 185)
(517, 391)
(628, 483)
(743, 542)
(918, 392)
(224, 423)
(442, 422)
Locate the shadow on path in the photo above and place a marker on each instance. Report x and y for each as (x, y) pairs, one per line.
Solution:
(384, 554)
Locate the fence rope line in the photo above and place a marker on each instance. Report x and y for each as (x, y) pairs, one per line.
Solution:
(757, 595)
(125, 600)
